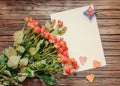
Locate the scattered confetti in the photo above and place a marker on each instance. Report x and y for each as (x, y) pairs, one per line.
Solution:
(96, 63)
(90, 78)
(82, 60)
(90, 12)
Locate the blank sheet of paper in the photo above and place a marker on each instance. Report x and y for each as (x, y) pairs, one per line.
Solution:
(82, 37)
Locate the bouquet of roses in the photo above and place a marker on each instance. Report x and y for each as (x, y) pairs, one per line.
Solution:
(37, 52)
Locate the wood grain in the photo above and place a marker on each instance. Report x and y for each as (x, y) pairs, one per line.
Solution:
(12, 13)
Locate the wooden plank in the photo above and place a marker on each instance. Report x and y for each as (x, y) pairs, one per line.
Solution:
(104, 14)
(101, 22)
(112, 38)
(75, 82)
(59, 2)
(111, 45)
(111, 52)
(84, 82)
(29, 8)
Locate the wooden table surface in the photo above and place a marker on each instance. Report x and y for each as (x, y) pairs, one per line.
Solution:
(12, 13)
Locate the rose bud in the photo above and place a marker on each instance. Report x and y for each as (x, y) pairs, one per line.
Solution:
(37, 29)
(67, 69)
(64, 59)
(26, 19)
(74, 64)
(30, 24)
(42, 29)
(46, 34)
(60, 23)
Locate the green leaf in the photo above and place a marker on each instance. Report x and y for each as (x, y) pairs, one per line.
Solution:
(23, 62)
(61, 32)
(38, 45)
(20, 49)
(2, 67)
(50, 81)
(18, 37)
(29, 72)
(13, 61)
(46, 43)
(10, 52)
(3, 59)
(22, 78)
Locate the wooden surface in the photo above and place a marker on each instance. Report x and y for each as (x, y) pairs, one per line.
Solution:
(12, 13)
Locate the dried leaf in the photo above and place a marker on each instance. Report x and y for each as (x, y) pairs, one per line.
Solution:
(20, 49)
(23, 62)
(22, 74)
(32, 50)
(1, 85)
(10, 52)
(22, 69)
(55, 32)
(48, 26)
(22, 78)
(6, 83)
(18, 36)
(13, 61)
(43, 62)
(7, 73)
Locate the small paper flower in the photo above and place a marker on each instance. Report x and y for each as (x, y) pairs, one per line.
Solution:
(90, 12)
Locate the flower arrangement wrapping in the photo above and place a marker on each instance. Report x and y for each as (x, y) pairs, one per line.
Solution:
(37, 52)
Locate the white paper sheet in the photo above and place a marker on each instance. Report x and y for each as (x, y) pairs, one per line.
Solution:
(82, 37)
